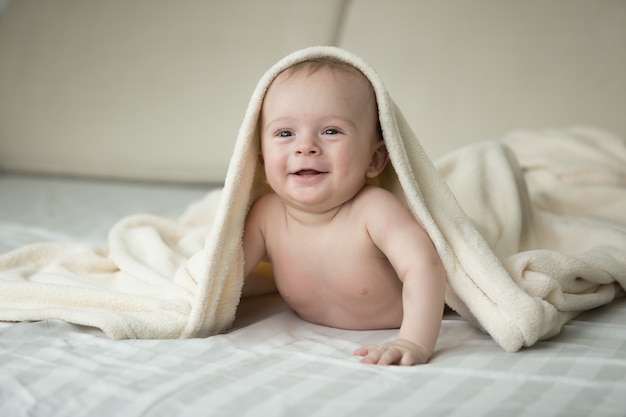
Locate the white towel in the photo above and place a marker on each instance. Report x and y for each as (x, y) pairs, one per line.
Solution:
(531, 230)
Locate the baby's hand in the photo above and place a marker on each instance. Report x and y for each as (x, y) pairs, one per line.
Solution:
(399, 352)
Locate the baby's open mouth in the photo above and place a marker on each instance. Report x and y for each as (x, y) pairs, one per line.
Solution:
(307, 172)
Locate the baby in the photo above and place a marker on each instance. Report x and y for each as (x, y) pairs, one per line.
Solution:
(344, 253)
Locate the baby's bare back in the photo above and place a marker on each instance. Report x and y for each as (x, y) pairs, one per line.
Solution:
(332, 273)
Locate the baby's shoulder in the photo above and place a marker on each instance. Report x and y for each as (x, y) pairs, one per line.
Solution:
(265, 200)
(267, 203)
(374, 197)
(380, 206)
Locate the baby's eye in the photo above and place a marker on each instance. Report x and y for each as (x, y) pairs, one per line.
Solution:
(331, 131)
(284, 133)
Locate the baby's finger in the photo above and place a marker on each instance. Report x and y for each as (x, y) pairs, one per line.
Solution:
(408, 359)
(365, 350)
(373, 356)
(390, 357)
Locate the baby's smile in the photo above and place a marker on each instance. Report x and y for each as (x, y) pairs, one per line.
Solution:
(308, 176)
(307, 172)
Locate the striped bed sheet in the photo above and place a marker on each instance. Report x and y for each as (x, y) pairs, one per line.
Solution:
(272, 363)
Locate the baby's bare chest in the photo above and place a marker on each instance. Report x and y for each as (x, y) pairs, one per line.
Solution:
(328, 249)
(343, 263)
(338, 283)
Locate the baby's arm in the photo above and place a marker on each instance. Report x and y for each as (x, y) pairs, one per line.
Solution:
(416, 262)
(258, 277)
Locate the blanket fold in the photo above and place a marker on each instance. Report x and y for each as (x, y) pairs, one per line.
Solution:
(531, 230)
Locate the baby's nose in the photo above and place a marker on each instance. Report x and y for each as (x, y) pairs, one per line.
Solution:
(307, 147)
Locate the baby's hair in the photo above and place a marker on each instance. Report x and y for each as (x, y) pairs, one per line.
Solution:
(312, 65)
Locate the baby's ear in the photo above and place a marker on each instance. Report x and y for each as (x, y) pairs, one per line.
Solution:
(379, 160)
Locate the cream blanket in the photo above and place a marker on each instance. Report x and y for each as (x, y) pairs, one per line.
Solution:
(531, 230)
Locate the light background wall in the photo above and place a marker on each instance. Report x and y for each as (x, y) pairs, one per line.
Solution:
(465, 71)
(157, 89)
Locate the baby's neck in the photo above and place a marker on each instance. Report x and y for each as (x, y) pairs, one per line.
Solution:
(317, 216)
(312, 218)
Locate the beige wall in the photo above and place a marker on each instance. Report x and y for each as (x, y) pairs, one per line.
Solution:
(464, 71)
(156, 89)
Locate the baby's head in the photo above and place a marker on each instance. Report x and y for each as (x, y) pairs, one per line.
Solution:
(347, 74)
(319, 127)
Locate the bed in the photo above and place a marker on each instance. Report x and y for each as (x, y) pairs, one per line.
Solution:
(272, 362)
(69, 172)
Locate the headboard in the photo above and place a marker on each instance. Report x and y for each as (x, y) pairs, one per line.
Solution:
(156, 89)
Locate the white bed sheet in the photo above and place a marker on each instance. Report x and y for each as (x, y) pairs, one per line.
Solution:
(272, 363)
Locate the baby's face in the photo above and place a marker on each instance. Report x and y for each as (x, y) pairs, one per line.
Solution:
(318, 135)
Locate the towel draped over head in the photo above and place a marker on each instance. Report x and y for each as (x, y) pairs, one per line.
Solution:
(531, 230)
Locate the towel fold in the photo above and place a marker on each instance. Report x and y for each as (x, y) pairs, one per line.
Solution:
(531, 230)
